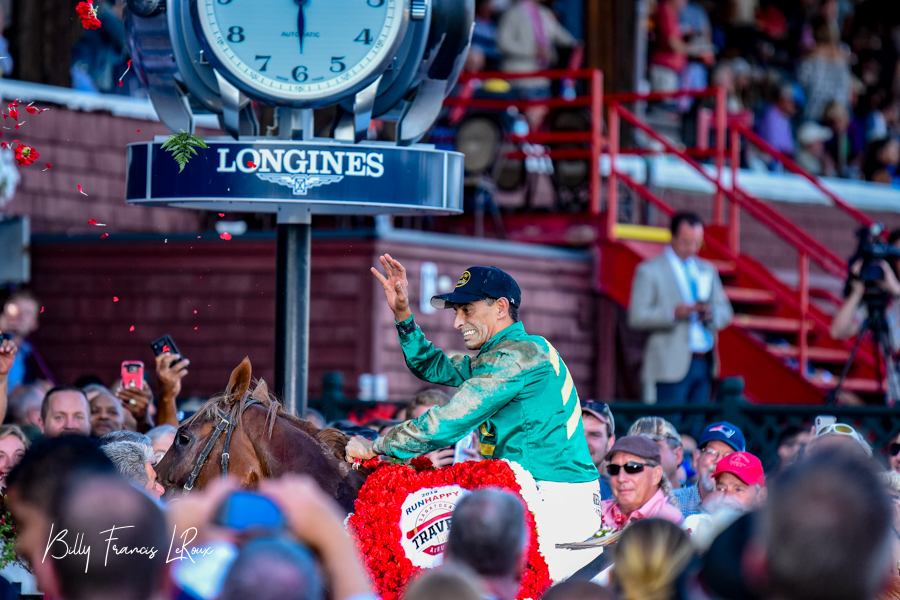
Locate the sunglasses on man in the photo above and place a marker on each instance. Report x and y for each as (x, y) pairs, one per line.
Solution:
(894, 449)
(631, 468)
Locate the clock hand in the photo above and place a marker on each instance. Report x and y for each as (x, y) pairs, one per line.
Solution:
(301, 22)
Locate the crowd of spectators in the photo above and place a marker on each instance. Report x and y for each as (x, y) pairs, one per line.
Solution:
(684, 519)
(817, 79)
(705, 524)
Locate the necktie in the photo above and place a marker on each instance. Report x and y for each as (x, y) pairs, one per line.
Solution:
(692, 280)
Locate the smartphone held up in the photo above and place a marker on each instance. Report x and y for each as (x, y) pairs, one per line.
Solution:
(165, 344)
(132, 374)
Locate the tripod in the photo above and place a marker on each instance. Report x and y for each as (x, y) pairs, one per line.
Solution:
(876, 322)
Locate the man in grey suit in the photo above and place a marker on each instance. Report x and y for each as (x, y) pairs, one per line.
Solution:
(678, 298)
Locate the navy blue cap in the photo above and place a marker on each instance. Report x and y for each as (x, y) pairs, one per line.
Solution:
(478, 283)
(724, 432)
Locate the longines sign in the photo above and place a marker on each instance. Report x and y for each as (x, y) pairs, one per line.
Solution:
(267, 175)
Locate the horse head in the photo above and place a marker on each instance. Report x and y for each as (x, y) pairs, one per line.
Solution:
(248, 435)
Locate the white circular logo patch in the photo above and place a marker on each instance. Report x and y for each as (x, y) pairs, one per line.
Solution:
(425, 523)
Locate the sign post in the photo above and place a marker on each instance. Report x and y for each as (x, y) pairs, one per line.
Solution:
(292, 315)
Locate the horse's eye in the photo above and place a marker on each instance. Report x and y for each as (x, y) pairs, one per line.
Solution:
(183, 439)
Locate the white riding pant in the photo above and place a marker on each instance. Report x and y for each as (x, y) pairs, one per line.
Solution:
(569, 512)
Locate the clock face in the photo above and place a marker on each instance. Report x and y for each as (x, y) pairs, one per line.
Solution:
(301, 52)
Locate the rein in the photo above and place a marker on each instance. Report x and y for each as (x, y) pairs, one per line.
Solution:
(225, 423)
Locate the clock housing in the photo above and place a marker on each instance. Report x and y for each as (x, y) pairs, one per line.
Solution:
(302, 54)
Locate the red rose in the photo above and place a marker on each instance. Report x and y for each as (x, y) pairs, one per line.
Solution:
(376, 518)
(88, 15)
(25, 155)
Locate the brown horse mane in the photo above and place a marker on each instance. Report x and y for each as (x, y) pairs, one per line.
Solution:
(331, 441)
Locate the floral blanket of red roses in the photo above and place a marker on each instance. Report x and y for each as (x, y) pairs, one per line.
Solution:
(376, 522)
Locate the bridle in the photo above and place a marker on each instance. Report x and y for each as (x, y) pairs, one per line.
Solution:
(226, 424)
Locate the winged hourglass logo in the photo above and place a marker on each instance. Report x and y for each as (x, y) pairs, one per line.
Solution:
(300, 183)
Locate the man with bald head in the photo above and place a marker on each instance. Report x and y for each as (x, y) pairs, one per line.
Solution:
(488, 535)
(65, 410)
(126, 533)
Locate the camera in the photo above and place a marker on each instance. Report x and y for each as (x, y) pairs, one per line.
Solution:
(871, 250)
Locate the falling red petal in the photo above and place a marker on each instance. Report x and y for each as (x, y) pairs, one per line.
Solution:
(195, 329)
(92, 222)
(115, 298)
(251, 164)
(104, 236)
(138, 130)
(221, 214)
(166, 348)
(225, 236)
(42, 310)
(81, 190)
(132, 328)
(195, 312)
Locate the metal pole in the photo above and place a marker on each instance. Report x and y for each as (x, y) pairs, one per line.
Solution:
(292, 292)
(292, 315)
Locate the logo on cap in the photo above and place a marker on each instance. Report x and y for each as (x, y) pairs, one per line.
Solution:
(738, 459)
(464, 279)
(728, 431)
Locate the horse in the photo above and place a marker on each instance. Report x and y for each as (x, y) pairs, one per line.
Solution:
(247, 435)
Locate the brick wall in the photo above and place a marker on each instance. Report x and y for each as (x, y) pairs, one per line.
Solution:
(159, 284)
(558, 303)
(86, 148)
(231, 285)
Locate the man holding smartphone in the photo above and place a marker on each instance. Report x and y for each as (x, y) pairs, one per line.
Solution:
(517, 392)
(678, 299)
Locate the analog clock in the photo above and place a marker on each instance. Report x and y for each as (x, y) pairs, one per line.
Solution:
(301, 53)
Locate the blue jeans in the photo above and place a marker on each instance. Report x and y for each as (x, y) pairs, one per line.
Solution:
(693, 389)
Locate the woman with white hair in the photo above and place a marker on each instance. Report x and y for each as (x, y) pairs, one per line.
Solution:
(134, 461)
(161, 438)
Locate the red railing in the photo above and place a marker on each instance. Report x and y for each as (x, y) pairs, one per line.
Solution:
(738, 130)
(729, 133)
(593, 101)
(807, 247)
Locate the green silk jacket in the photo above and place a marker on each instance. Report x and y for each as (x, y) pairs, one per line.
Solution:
(517, 392)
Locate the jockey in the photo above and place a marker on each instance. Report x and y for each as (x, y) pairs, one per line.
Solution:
(516, 392)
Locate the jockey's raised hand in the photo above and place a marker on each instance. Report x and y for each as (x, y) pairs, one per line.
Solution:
(396, 287)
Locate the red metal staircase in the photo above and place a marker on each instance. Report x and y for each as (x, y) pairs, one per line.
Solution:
(777, 331)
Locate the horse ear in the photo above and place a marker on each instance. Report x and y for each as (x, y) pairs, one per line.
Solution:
(240, 381)
(261, 392)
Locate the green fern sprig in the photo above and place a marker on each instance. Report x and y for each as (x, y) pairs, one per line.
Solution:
(182, 145)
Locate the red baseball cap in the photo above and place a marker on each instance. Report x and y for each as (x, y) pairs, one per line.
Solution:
(745, 466)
